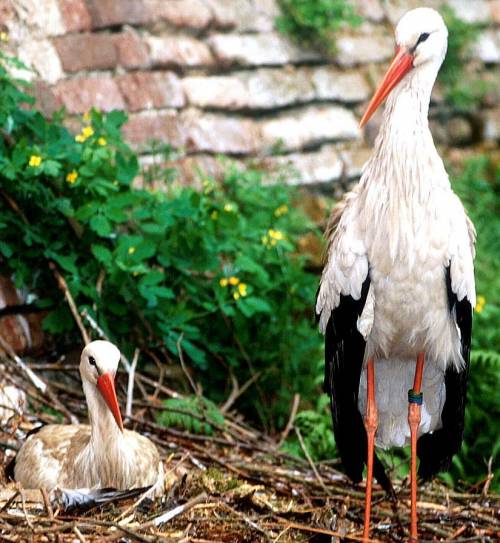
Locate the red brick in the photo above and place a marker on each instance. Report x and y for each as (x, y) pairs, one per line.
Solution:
(147, 90)
(118, 12)
(45, 98)
(7, 13)
(142, 129)
(80, 94)
(131, 50)
(495, 11)
(86, 52)
(21, 332)
(75, 15)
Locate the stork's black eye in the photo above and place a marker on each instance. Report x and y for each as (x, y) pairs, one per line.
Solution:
(92, 361)
(422, 38)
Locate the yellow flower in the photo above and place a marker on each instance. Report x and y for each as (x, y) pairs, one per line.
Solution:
(102, 141)
(35, 161)
(135, 274)
(214, 215)
(276, 235)
(236, 295)
(274, 242)
(223, 282)
(80, 138)
(481, 302)
(87, 131)
(4, 37)
(131, 250)
(86, 116)
(242, 289)
(281, 210)
(229, 208)
(265, 240)
(72, 177)
(233, 280)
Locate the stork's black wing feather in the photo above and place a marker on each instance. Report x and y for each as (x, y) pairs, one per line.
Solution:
(344, 352)
(437, 449)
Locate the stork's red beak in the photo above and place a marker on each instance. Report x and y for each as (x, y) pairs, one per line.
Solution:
(401, 64)
(106, 386)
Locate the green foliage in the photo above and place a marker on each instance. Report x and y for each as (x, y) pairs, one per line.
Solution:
(194, 414)
(460, 91)
(315, 22)
(315, 427)
(212, 274)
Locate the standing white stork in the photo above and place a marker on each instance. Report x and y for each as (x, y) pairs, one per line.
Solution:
(398, 284)
(102, 455)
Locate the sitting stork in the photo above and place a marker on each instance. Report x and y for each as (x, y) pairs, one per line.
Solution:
(99, 455)
(397, 290)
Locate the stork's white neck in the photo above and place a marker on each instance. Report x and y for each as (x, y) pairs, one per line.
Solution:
(104, 429)
(405, 160)
(405, 167)
(105, 457)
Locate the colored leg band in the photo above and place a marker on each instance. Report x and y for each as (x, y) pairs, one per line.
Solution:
(415, 397)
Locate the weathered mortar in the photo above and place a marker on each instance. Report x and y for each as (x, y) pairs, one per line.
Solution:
(215, 76)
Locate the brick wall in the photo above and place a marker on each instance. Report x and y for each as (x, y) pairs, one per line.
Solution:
(214, 76)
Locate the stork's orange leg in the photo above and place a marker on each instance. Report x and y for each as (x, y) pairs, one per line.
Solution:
(414, 404)
(371, 422)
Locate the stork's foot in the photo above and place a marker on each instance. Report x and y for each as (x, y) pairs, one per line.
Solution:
(415, 399)
(371, 423)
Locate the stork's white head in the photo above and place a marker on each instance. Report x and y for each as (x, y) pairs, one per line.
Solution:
(422, 33)
(98, 364)
(421, 41)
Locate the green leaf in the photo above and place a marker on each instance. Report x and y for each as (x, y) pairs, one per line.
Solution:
(102, 253)
(101, 225)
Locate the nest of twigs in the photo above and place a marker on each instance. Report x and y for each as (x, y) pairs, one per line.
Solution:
(233, 486)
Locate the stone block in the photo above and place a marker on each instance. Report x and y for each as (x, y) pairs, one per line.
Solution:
(356, 49)
(395, 9)
(270, 49)
(369, 9)
(354, 161)
(108, 13)
(80, 94)
(487, 48)
(274, 88)
(310, 126)
(42, 56)
(495, 11)
(316, 167)
(131, 50)
(491, 129)
(345, 86)
(143, 128)
(45, 98)
(178, 51)
(218, 133)
(87, 51)
(75, 15)
(184, 13)
(472, 11)
(7, 13)
(42, 21)
(148, 90)
(220, 92)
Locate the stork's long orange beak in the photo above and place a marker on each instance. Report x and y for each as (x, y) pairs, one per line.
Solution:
(401, 64)
(106, 386)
